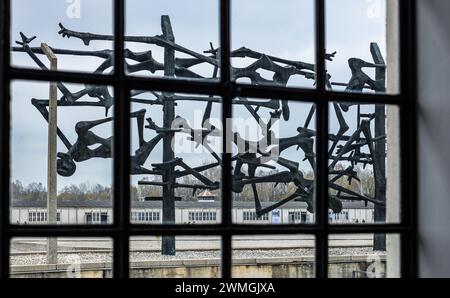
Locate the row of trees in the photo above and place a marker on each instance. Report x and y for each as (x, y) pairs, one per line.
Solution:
(267, 191)
(36, 191)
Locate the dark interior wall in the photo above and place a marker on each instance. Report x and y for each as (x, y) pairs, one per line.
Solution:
(434, 137)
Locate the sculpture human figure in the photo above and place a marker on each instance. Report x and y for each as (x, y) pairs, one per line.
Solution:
(80, 150)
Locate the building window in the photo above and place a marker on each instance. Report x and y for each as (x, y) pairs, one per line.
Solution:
(96, 217)
(252, 216)
(145, 216)
(41, 216)
(298, 216)
(195, 216)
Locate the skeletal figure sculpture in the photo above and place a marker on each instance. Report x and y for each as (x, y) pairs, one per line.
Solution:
(346, 147)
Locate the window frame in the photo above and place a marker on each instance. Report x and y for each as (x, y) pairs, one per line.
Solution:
(122, 228)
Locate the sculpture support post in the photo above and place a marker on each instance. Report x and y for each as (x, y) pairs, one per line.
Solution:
(379, 241)
(52, 244)
(168, 242)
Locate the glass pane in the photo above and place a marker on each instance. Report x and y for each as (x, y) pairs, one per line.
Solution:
(171, 38)
(364, 256)
(362, 36)
(273, 43)
(195, 257)
(66, 258)
(364, 164)
(176, 157)
(273, 161)
(273, 256)
(66, 27)
(76, 187)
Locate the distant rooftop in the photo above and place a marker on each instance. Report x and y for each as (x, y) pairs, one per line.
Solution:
(206, 194)
(178, 204)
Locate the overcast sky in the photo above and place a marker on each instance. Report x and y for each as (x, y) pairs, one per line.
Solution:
(280, 28)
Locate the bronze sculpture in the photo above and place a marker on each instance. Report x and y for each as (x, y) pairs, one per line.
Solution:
(251, 155)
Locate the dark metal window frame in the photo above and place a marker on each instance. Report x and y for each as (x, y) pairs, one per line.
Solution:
(121, 230)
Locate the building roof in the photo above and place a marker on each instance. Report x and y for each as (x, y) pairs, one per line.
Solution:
(64, 204)
(178, 204)
(206, 194)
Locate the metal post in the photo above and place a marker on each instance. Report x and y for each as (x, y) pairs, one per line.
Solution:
(379, 241)
(168, 242)
(52, 242)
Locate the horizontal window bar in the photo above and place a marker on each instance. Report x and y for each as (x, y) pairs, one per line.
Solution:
(173, 85)
(315, 95)
(208, 87)
(60, 76)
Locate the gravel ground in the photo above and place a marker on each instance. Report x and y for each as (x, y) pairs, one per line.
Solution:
(97, 257)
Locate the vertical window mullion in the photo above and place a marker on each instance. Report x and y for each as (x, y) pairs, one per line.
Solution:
(408, 137)
(4, 136)
(121, 182)
(225, 76)
(322, 146)
(121, 150)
